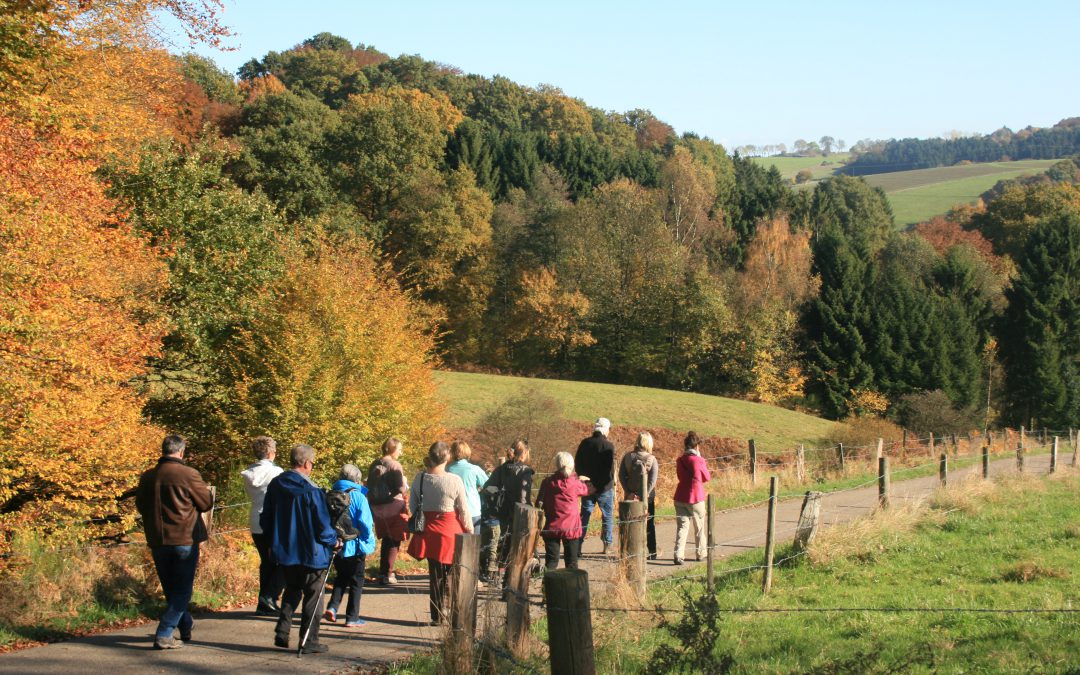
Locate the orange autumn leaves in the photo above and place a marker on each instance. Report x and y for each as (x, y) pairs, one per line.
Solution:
(78, 320)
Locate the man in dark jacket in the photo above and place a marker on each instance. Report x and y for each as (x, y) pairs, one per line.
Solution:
(301, 540)
(170, 498)
(596, 459)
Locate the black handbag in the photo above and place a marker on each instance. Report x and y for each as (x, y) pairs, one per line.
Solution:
(416, 520)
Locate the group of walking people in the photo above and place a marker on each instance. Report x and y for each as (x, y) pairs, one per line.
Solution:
(300, 530)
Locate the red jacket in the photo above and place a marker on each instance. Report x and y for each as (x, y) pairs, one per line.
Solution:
(693, 473)
(561, 496)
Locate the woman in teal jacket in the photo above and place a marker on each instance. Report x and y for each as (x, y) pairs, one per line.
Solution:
(350, 563)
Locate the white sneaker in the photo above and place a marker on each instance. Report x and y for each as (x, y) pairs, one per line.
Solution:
(391, 579)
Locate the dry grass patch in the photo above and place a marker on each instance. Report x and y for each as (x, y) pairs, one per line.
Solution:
(871, 536)
(1028, 571)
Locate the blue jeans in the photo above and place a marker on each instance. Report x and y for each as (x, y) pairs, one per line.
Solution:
(606, 501)
(176, 571)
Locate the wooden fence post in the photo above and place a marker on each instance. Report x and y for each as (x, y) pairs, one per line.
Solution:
(955, 445)
(463, 602)
(632, 521)
(943, 469)
(1053, 455)
(930, 448)
(710, 542)
(566, 594)
(1022, 435)
(883, 482)
(1075, 446)
(986, 461)
(753, 462)
(840, 455)
(880, 448)
(800, 464)
(525, 532)
(1045, 438)
(208, 516)
(770, 536)
(809, 519)
(1020, 457)
(903, 446)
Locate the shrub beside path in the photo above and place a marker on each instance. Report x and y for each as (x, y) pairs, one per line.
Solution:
(237, 641)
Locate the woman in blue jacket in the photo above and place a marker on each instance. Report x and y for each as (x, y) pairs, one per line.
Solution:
(350, 563)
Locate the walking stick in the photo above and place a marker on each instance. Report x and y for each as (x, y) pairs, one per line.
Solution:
(316, 616)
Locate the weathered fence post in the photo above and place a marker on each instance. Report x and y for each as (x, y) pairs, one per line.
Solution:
(809, 518)
(986, 461)
(1023, 436)
(463, 602)
(753, 462)
(955, 445)
(880, 448)
(883, 482)
(770, 536)
(840, 455)
(566, 594)
(1045, 437)
(930, 448)
(903, 446)
(800, 463)
(943, 469)
(710, 541)
(525, 532)
(1075, 446)
(1053, 455)
(632, 522)
(208, 516)
(1020, 457)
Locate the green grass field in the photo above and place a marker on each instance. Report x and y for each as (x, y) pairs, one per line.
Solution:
(821, 167)
(919, 195)
(469, 396)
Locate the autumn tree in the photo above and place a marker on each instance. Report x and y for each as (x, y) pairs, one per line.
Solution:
(78, 320)
(336, 357)
(689, 190)
(545, 322)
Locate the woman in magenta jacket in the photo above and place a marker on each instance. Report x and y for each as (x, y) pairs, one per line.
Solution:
(560, 497)
(693, 473)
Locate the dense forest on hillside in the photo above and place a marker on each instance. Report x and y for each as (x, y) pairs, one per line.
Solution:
(291, 250)
(1060, 141)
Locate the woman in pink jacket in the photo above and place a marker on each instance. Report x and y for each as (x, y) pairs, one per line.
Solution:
(560, 496)
(693, 473)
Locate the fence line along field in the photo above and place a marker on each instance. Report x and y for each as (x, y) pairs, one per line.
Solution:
(469, 396)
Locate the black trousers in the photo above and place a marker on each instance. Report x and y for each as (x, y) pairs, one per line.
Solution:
(438, 589)
(350, 577)
(650, 527)
(571, 549)
(271, 579)
(301, 582)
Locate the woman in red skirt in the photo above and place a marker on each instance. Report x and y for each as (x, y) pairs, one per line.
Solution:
(441, 496)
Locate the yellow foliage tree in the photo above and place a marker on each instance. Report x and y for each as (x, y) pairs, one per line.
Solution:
(337, 359)
(78, 319)
(545, 319)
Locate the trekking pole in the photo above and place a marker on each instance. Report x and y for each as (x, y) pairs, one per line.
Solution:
(316, 616)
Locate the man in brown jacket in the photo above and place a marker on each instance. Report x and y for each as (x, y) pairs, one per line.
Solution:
(170, 498)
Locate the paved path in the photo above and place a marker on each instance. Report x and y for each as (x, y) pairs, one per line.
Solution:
(239, 642)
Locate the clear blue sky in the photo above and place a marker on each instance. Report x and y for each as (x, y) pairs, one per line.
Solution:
(737, 71)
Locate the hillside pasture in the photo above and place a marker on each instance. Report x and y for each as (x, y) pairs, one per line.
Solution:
(921, 194)
(470, 396)
(821, 167)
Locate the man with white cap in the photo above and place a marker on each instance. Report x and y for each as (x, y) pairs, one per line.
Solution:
(595, 459)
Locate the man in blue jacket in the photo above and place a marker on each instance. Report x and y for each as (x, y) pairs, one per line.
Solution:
(301, 539)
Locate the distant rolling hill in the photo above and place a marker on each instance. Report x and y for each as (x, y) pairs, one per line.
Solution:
(469, 396)
(920, 194)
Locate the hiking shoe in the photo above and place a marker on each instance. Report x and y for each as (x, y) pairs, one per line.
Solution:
(185, 636)
(678, 561)
(330, 615)
(281, 642)
(355, 624)
(167, 643)
(607, 548)
(381, 580)
(314, 648)
(267, 607)
(391, 579)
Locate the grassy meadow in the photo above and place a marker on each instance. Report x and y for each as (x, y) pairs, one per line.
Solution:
(469, 396)
(821, 167)
(919, 195)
